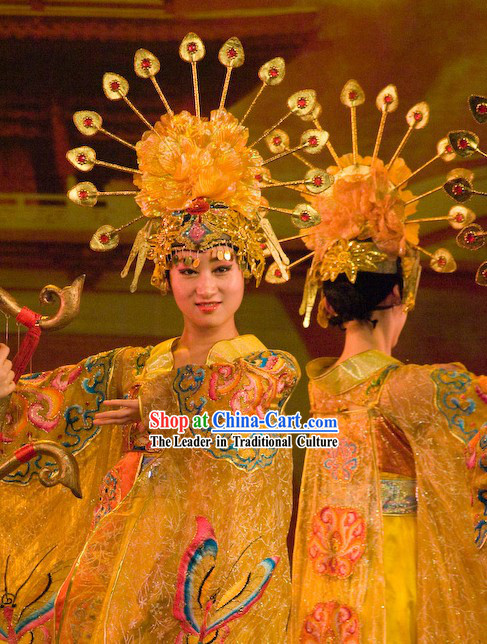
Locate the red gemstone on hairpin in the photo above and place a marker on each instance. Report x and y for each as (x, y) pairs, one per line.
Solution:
(146, 63)
(232, 52)
(449, 148)
(83, 194)
(263, 246)
(318, 181)
(302, 102)
(104, 238)
(484, 272)
(441, 261)
(313, 141)
(114, 86)
(463, 144)
(277, 273)
(352, 95)
(458, 189)
(305, 216)
(273, 72)
(388, 98)
(481, 108)
(198, 206)
(88, 121)
(459, 217)
(418, 116)
(81, 158)
(258, 177)
(470, 238)
(277, 140)
(192, 47)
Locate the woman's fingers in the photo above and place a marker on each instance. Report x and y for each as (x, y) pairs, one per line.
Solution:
(128, 412)
(122, 402)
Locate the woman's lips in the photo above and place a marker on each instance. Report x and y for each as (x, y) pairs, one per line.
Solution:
(208, 307)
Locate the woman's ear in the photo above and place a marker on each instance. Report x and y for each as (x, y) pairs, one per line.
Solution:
(394, 297)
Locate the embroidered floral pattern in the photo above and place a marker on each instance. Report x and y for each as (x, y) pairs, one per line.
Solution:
(331, 622)
(453, 402)
(342, 461)
(337, 541)
(110, 496)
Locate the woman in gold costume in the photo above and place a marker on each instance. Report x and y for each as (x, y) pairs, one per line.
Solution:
(177, 545)
(384, 551)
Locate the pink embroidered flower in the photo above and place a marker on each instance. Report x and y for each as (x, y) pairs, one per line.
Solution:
(331, 622)
(337, 541)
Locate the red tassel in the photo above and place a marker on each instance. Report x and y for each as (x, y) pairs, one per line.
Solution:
(29, 343)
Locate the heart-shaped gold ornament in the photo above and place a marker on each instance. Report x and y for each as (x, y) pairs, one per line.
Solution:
(302, 102)
(277, 141)
(104, 239)
(273, 71)
(275, 274)
(352, 94)
(471, 237)
(418, 116)
(481, 275)
(445, 149)
(145, 63)
(231, 54)
(305, 216)
(317, 181)
(82, 158)
(463, 142)
(458, 188)
(442, 261)
(115, 86)
(478, 107)
(387, 100)
(84, 194)
(192, 48)
(315, 140)
(87, 122)
(460, 216)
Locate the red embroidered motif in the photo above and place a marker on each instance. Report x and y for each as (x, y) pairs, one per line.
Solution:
(337, 541)
(331, 622)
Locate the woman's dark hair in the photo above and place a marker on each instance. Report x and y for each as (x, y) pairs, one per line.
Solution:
(357, 301)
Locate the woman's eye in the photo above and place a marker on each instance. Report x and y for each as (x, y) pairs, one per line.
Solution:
(187, 271)
(223, 268)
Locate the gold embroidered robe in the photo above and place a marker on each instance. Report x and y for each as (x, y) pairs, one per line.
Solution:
(354, 580)
(124, 584)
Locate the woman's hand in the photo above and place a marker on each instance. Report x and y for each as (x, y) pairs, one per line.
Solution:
(128, 412)
(7, 384)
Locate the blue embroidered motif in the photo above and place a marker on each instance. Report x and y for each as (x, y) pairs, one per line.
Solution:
(452, 402)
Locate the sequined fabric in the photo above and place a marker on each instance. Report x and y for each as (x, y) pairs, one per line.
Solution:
(397, 423)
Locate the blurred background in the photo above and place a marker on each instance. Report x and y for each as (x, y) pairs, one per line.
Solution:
(53, 56)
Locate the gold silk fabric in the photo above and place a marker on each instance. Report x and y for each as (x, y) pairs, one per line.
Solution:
(358, 540)
(42, 530)
(135, 563)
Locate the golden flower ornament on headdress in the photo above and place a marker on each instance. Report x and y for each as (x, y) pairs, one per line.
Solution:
(199, 181)
(363, 219)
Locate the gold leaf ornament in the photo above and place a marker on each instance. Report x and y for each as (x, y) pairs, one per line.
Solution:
(115, 86)
(442, 261)
(273, 71)
(275, 274)
(302, 102)
(104, 239)
(445, 149)
(314, 140)
(192, 48)
(277, 141)
(305, 216)
(387, 100)
(464, 143)
(84, 194)
(231, 54)
(471, 237)
(418, 116)
(87, 122)
(352, 94)
(82, 158)
(481, 275)
(317, 181)
(478, 107)
(460, 216)
(146, 64)
(458, 188)
(314, 115)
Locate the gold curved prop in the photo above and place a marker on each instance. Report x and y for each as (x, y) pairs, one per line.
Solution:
(67, 298)
(66, 472)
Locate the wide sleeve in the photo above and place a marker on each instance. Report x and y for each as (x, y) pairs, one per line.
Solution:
(444, 408)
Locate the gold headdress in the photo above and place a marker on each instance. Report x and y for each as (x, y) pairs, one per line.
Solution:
(365, 214)
(465, 144)
(200, 182)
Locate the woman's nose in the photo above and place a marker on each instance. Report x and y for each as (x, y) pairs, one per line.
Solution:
(206, 284)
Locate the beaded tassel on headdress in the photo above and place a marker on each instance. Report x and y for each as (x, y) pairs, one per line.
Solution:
(363, 218)
(199, 183)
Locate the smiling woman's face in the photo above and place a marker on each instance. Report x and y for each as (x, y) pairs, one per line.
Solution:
(210, 294)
